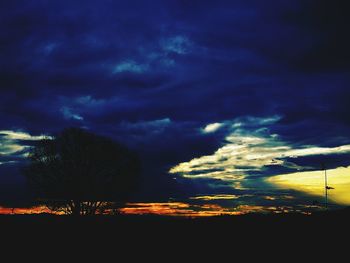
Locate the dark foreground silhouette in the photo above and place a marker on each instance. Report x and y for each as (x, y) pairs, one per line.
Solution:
(320, 222)
(81, 173)
(149, 238)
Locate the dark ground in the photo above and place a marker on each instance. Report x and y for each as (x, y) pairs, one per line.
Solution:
(131, 224)
(258, 234)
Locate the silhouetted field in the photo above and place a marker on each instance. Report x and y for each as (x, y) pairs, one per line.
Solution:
(156, 237)
(150, 224)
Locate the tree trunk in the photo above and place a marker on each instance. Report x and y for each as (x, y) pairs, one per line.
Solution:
(77, 208)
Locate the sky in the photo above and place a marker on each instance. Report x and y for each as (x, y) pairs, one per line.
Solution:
(219, 98)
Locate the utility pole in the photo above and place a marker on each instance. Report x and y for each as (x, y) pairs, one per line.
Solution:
(323, 165)
(326, 187)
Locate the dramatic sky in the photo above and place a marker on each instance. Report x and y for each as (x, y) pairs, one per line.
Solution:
(225, 101)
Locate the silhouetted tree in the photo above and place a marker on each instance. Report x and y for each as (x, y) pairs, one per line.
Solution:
(79, 173)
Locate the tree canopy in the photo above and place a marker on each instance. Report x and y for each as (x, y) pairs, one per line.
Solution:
(78, 172)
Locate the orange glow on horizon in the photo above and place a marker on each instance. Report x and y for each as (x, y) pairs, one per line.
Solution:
(205, 210)
(27, 211)
(178, 209)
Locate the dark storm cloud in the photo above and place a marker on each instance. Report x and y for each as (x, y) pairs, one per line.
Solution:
(327, 25)
(12, 185)
(153, 74)
(61, 49)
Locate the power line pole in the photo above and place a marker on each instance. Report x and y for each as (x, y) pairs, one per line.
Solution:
(326, 187)
(323, 165)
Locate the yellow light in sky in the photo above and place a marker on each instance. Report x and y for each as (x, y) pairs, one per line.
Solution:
(314, 183)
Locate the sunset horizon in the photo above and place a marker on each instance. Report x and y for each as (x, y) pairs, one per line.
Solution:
(174, 108)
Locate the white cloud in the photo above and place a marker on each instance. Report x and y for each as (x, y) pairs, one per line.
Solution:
(250, 121)
(68, 114)
(157, 56)
(213, 127)
(89, 101)
(241, 123)
(130, 66)
(7, 162)
(246, 150)
(7, 147)
(19, 135)
(160, 58)
(178, 44)
(10, 141)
